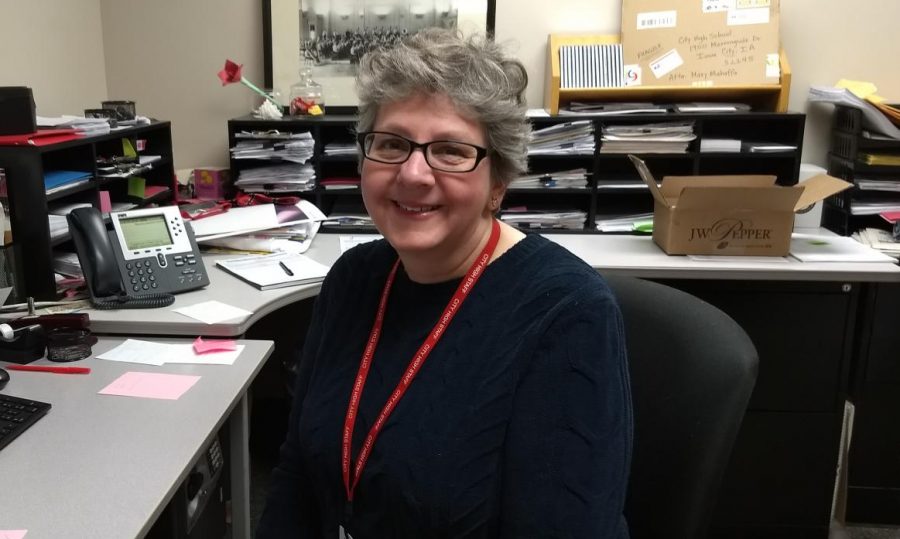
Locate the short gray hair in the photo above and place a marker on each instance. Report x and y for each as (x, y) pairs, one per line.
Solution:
(472, 71)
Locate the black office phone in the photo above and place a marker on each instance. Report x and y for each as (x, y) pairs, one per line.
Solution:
(147, 256)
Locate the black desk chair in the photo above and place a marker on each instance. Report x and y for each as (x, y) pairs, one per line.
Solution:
(692, 371)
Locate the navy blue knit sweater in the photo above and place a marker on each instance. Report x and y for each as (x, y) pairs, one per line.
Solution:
(518, 425)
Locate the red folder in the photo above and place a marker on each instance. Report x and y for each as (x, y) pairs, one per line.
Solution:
(41, 137)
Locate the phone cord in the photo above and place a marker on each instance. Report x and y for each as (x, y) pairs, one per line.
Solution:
(143, 301)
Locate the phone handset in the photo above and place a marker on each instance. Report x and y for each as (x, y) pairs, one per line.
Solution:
(101, 268)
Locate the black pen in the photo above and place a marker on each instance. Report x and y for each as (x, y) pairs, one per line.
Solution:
(286, 269)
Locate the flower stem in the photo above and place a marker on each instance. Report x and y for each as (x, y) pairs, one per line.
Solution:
(253, 87)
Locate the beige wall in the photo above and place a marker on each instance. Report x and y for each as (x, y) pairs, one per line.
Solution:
(56, 48)
(165, 54)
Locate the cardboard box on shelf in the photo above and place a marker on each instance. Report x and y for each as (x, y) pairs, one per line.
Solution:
(700, 43)
(729, 215)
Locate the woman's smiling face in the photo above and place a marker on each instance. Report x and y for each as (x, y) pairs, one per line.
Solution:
(420, 210)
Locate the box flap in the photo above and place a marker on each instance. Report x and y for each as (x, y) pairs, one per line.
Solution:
(672, 185)
(818, 188)
(771, 198)
(648, 179)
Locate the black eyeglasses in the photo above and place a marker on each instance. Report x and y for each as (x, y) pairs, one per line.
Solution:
(443, 155)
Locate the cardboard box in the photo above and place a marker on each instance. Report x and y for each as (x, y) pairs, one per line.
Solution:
(729, 215)
(701, 43)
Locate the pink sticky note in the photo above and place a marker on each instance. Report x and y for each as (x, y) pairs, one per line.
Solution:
(12, 534)
(105, 205)
(150, 385)
(220, 345)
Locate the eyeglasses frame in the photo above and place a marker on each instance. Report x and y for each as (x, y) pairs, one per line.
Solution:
(480, 152)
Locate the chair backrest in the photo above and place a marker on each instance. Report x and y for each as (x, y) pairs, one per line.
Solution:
(692, 371)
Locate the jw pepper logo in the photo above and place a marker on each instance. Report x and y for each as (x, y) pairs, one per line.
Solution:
(724, 230)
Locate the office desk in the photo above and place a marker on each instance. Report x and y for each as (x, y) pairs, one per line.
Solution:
(223, 287)
(803, 317)
(105, 466)
(637, 256)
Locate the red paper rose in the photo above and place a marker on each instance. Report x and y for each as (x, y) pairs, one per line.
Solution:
(231, 73)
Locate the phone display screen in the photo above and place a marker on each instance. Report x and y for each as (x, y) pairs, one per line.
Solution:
(145, 232)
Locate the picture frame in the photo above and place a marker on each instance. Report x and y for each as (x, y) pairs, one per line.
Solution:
(331, 35)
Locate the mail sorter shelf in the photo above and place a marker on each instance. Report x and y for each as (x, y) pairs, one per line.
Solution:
(612, 185)
(847, 160)
(762, 97)
(25, 169)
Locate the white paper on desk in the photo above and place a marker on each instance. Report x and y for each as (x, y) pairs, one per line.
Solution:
(135, 351)
(212, 312)
(184, 353)
(155, 353)
(822, 248)
(348, 242)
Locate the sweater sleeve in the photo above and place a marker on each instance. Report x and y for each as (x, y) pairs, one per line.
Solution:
(291, 509)
(568, 447)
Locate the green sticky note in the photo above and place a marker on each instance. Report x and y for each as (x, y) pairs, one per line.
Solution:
(128, 148)
(643, 226)
(136, 186)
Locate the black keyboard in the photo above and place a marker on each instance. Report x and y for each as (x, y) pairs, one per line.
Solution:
(16, 415)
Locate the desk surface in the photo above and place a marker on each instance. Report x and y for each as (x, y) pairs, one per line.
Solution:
(106, 466)
(637, 256)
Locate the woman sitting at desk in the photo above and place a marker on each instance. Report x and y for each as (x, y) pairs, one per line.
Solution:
(459, 378)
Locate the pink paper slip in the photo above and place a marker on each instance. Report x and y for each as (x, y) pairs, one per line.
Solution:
(220, 345)
(150, 385)
(12, 534)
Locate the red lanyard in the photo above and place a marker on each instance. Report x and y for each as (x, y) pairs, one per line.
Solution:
(462, 291)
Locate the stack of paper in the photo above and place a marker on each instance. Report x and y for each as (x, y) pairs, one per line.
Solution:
(668, 137)
(609, 109)
(821, 248)
(277, 270)
(67, 264)
(766, 147)
(59, 226)
(568, 138)
(339, 183)
(58, 180)
(565, 179)
(257, 228)
(880, 159)
(623, 223)
(880, 240)
(712, 145)
(872, 118)
(81, 125)
(339, 148)
(296, 150)
(277, 179)
(712, 107)
(873, 207)
(866, 184)
(545, 219)
(340, 220)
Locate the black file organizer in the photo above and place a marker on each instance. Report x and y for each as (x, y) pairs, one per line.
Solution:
(847, 142)
(604, 169)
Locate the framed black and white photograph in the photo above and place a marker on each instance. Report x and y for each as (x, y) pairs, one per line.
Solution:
(330, 36)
